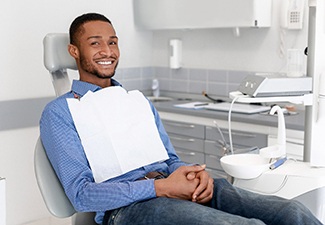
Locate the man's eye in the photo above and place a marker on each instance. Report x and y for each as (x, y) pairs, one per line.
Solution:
(113, 43)
(94, 43)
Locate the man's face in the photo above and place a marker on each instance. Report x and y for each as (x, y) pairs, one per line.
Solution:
(97, 51)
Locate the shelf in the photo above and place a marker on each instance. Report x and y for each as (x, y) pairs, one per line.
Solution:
(306, 99)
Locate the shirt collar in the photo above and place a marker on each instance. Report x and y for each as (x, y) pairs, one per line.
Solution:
(80, 88)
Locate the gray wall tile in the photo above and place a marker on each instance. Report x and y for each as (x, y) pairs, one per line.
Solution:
(184, 80)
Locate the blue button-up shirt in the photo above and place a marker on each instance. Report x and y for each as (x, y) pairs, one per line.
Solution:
(66, 153)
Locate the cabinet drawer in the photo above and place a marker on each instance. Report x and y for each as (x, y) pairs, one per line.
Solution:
(216, 173)
(190, 156)
(185, 142)
(238, 137)
(186, 129)
(213, 148)
(213, 161)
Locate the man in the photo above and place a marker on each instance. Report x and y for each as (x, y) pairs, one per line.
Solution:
(179, 193)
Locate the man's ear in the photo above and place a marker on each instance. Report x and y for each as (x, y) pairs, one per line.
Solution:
(73, 51)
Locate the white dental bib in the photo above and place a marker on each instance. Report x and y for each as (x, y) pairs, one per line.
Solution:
(117, 131)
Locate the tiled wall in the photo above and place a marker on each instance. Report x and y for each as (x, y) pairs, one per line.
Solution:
(136, 78)
(184, 80)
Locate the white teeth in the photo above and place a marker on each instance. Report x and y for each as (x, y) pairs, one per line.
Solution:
(105, 63)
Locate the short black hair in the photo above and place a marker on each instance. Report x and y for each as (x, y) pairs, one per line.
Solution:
(76, 25)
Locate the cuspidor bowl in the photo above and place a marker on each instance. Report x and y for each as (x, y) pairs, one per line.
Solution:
(244, 166)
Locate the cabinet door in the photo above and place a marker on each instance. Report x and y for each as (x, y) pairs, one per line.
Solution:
(184, 129)
(213, 152)
(216, 173)
(171, 14)
(239, 138)
(190, 156)
(184, 142)
(187, 140)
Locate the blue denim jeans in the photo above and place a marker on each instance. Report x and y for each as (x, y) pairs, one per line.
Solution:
(230, 205)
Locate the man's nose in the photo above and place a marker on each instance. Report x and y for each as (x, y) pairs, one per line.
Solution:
(106, 50)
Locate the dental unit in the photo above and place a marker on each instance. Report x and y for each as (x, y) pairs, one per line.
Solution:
(284, 177)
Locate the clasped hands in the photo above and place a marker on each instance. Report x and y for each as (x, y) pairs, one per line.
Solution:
(187, 182)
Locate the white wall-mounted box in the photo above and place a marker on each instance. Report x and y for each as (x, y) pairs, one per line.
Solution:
(193, 14)
(2, 201)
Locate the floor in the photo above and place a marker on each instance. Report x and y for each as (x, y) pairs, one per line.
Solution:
(51, 221)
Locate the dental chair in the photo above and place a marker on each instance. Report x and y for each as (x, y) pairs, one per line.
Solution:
(57, 60)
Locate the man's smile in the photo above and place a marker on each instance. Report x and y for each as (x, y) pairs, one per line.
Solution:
(104, 63)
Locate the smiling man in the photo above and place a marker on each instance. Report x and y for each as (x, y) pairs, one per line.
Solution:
(163, 191)
(95, 48)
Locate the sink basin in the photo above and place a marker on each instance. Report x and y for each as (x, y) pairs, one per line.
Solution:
(159, 99)
(244, 166)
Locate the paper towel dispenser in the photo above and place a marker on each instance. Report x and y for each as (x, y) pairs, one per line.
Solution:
(193, 14)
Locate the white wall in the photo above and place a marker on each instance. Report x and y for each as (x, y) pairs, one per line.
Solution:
(25, 23)
(135, 45)
(23, 200)
(254, 50)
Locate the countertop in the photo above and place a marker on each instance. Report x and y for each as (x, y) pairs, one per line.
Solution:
(294, 122)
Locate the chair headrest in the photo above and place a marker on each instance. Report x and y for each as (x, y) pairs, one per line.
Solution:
(56, 55)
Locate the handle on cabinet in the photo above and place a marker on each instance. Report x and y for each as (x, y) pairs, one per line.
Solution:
(239, 134)
(182, 139)
(181, 125)
(214, 157)
(186, 153)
